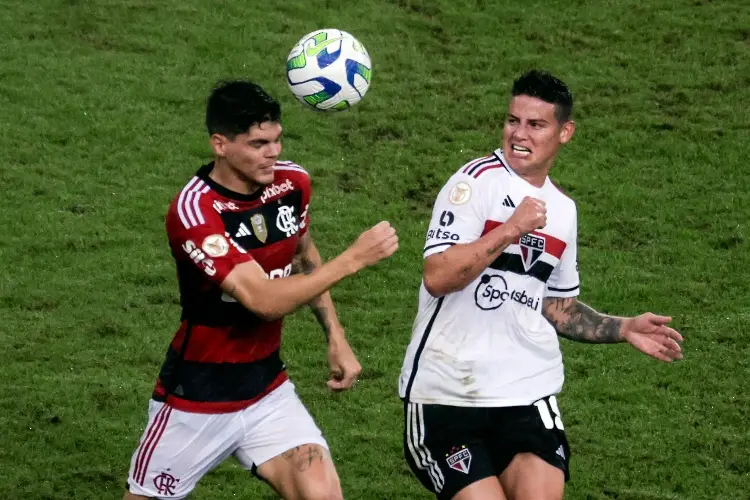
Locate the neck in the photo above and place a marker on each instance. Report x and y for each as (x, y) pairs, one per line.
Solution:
(226, 175)
(536, 179)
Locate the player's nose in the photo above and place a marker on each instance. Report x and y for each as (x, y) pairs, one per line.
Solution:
(275, 149)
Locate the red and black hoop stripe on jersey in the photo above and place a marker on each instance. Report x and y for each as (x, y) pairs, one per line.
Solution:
(514, 263)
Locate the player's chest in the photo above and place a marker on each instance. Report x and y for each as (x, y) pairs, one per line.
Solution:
(559, 218)
(268, 231)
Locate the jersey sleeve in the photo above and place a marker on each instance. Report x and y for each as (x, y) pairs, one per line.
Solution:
(457, 216)
(198, 238)
(564, 280)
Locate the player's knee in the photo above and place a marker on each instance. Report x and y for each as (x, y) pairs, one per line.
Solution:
(323, 490)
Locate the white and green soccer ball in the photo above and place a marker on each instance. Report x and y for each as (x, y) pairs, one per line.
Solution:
(329, 70)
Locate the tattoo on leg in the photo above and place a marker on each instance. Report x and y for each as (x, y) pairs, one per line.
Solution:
(303, 457)
(308, 457)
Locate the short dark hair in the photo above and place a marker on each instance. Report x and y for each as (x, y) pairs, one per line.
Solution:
(235, 106)
(544, 86)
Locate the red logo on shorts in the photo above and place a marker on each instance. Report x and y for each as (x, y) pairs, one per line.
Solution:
(165, 483)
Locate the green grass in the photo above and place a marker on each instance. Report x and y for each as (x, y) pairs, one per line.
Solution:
(101, 116)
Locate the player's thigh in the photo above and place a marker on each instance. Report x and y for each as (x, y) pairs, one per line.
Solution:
(488, 488)
(528, 477)
(445, 449)
(132, 496)
(284, 446)
(305, 472)
(531, 450)
(177, 449)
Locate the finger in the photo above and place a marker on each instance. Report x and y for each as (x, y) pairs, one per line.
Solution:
(671, 333)
(350, 379)
(658, 320)
(672, 354)
(660, 356)
(336, 385)
(670, 348)
(672, 345)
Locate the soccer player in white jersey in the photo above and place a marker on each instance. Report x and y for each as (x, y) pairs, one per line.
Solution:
(500, 284)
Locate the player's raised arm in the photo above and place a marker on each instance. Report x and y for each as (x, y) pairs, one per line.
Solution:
(272, 299)
(459, 265)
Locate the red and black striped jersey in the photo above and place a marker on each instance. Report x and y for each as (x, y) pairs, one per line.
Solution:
(223, 357)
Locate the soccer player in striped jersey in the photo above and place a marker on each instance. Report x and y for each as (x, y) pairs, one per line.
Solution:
(500, 283)
(239, 234)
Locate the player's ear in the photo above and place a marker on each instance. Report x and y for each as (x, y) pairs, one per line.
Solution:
(567, 131)
(219, 144)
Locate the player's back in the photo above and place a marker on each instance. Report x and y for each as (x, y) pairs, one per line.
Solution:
(223, 357)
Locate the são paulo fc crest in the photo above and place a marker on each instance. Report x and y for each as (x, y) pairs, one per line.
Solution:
(532, 247)
(459, 459)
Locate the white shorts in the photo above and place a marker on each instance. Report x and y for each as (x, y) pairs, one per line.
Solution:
(178, 448)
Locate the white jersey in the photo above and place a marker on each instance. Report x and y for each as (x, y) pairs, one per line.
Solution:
(488, 344)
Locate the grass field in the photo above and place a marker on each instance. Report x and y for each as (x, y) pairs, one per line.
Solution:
(101, 123)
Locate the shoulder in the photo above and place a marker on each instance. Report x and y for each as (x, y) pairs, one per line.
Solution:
(558, 196)
(290, 173)
(477, 176)
(291, 170)
(192, 206)
(484, 167)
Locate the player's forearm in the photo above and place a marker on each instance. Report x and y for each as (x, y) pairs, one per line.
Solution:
(274, 299)
(322, 305)
(576, 321)
(455, 268)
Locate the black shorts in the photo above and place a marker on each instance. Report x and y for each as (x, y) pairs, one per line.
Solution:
(450, 447)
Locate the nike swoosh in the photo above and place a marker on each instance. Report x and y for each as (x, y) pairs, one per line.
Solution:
(317, 49)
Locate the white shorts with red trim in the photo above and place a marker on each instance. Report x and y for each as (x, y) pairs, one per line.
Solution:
(178, 448)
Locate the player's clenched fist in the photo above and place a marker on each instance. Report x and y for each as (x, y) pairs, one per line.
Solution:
(374, 245)
(530, 214)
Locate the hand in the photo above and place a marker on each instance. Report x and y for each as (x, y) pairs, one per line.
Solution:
(649, 334)
(374, 245)
(529, 215)
(343, 364)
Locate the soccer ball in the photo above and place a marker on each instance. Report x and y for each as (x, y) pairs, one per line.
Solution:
(329, 70)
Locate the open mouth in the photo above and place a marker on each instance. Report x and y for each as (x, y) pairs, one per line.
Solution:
(520, 151)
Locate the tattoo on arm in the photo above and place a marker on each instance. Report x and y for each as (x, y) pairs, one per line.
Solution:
(322, 306)
(575, 320)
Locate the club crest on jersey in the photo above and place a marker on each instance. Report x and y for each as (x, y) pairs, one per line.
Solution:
(285, 220)
(532, 247)
(258, 223)
(459, 459)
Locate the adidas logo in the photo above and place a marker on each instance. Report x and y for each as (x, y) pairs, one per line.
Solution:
(507, 202)
(243, 231)
(561, 452)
